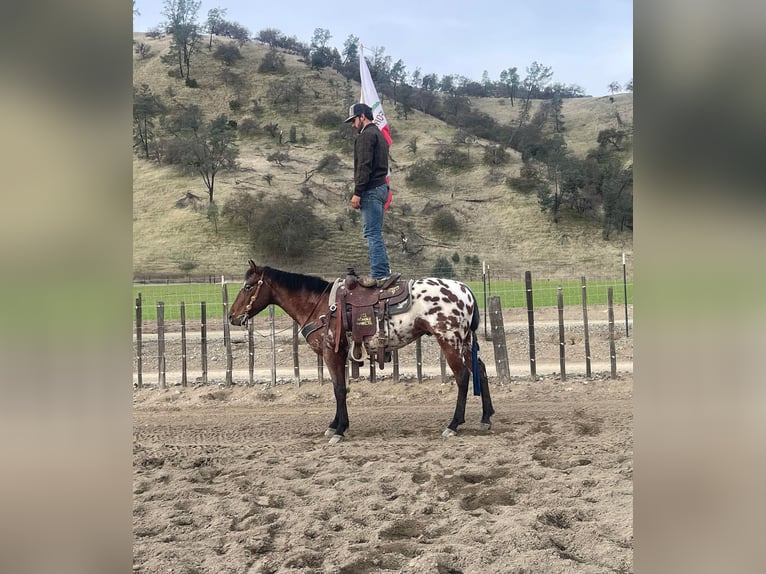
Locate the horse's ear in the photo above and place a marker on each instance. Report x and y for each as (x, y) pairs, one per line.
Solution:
(252, 264)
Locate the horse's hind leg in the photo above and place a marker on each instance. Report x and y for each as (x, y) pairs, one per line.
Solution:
(486, 402)
(461, 378)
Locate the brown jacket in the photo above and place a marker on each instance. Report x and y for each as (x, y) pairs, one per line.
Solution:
(370, 159)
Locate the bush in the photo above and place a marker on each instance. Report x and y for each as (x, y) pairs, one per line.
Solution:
(248, 127)
(423, 174)
(443, 268)
(273, 62)
(227, 53)
(286, 228)
(445, 223)
(452, 157)
(191, 83)
(330, 120)
(329, 164)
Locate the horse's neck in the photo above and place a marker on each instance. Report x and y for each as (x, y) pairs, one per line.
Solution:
(299, 306)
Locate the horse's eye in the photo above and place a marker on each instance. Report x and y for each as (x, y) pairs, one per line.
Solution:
(247, 287)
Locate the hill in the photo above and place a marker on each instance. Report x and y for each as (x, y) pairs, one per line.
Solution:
(502, 227)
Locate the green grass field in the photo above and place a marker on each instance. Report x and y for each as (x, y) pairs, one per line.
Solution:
(512, 294)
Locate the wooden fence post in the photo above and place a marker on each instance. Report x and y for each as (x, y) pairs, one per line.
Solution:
(227, 333)
(161, 345)
(395, 359)
(320, 369)
(419, 360)
(203, 339)
(498, 339)
(562, 341)
(296, 366)
(184, 380)
(612, 352)
(139, 345)
(531, 320)
(251, 352)
(273, 339)
(586, 333)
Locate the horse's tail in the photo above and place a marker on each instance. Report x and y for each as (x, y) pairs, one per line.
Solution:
(475, 361)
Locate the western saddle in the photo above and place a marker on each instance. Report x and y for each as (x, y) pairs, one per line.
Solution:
(362, 312)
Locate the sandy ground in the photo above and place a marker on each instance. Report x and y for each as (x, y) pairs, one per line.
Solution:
(241, 479)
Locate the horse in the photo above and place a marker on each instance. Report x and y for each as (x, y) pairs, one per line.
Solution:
(443, 308)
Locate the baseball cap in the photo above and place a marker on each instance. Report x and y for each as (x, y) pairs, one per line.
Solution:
(357, 110)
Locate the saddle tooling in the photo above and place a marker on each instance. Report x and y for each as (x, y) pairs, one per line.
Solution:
(362, 312)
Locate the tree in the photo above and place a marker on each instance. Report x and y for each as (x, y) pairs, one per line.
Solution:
(215, 18)
(629, 85)
(510, 79)
(146, 107)
(614, 87)
(204, 148)
(182, 26)
(398, 75)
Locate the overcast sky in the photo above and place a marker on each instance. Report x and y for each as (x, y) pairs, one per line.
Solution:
(588, 43)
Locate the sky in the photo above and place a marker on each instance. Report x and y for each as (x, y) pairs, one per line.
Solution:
(588, 42)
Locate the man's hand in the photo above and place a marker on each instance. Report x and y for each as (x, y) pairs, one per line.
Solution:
(356, 201)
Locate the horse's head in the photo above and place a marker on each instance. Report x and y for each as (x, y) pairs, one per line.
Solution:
(254, 296)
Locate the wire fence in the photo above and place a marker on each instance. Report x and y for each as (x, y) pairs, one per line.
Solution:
(177, 324)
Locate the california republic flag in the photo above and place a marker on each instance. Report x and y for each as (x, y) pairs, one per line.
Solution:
(370, 97)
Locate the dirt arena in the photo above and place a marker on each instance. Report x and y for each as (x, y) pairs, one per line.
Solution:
(241, 479)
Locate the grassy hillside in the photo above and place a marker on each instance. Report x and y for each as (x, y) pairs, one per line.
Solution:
(502, 227)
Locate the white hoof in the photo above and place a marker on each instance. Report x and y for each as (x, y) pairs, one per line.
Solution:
(329, 432)
(448, 432)
(336, 438)
(485, 426)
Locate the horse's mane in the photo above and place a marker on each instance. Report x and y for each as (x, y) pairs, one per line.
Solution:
(294, 281)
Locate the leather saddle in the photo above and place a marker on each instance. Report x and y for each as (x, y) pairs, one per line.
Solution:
(362, 311)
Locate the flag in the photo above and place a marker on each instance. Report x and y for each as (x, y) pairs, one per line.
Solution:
(370, 97)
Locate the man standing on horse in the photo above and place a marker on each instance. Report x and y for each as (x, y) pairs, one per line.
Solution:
(370, 189)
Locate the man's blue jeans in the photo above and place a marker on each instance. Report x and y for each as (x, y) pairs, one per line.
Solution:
(372, 204)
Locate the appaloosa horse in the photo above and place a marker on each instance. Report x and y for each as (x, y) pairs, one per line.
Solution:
(443, 308)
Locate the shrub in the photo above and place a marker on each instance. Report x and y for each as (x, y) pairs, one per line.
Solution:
(329, 164)
(443, 268)
(191, 83)
(273, 62)
(452, 157)
(328, 119)
(227, 53)
(423, 173)
(248, 127)
(286, 227)
(456, 257)
(445, 223)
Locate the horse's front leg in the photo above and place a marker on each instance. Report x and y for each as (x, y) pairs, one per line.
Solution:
(336, 364)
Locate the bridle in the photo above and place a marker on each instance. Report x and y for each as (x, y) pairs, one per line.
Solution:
(254, 296)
